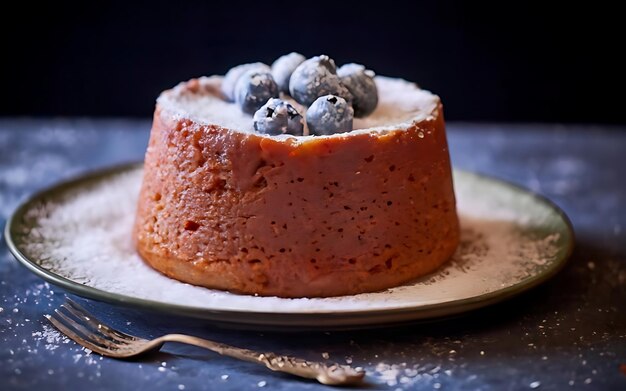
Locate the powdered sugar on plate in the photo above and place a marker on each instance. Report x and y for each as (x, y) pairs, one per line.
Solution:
(84, 235)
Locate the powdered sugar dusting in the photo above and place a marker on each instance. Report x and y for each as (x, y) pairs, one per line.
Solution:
(51, 336)
(86, 237)
(400, 104)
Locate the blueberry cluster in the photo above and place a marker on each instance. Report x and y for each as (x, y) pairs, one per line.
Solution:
(333, 96)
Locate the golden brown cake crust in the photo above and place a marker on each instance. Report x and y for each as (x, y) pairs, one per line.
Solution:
(325, 217)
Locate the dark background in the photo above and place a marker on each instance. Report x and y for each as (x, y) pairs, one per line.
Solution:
(508, 61)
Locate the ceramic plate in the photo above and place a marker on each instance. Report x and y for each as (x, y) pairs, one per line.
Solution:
(77, 235)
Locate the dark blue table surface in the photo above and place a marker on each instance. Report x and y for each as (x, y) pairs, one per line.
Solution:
(569, 333)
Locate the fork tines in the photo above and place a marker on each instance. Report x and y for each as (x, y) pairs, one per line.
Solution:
(86, 330)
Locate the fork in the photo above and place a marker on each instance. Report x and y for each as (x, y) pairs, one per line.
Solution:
(88, 331)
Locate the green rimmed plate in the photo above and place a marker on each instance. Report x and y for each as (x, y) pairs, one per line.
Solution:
(77, 235)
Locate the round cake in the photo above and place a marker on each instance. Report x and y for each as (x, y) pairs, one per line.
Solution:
(225, 207)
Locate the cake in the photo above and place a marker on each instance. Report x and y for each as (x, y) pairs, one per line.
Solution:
(228, 208)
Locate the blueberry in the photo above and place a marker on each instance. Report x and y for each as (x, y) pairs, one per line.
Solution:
(360, 82)
(316, 77)
(278, 117)
(253, 89)
(283, 67)
(231, 77)
(329, 114)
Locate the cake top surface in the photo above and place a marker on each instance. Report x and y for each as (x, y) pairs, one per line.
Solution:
(401, 103)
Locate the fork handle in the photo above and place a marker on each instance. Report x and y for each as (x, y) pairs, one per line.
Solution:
(327, 374)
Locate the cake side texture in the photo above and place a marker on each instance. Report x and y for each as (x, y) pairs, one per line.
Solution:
(327, 216)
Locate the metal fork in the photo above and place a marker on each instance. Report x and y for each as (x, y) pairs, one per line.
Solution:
(88, 331)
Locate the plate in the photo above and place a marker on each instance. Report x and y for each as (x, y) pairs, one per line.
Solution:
(77, 235)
